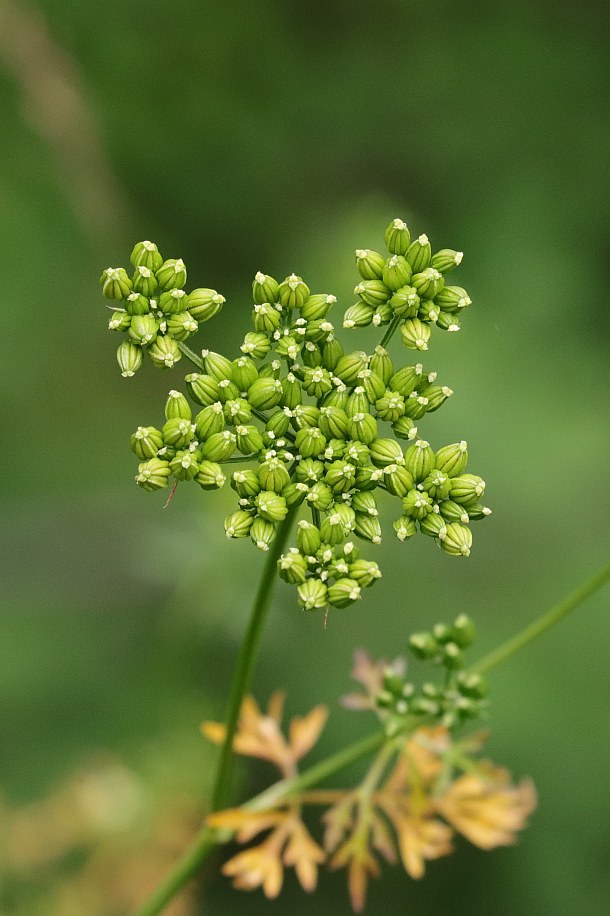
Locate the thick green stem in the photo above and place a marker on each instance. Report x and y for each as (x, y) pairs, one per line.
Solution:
(245, 663)
(390, 331)
(542, 624)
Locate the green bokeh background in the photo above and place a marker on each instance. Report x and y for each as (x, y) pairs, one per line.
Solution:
(280, 136)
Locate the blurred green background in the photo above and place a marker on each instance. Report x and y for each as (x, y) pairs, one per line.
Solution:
(280, 136)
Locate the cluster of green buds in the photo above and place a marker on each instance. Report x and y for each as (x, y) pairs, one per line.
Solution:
(153, 308)
(320, 428)
(461, 696)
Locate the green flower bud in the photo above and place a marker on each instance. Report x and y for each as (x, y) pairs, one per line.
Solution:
(332, 352)
(452, 512)
(383, 315)
(448, 322)
(356, 452)
(312, 594)
(359, 315)
(309, 471)
(333, 422)
(320, 496)
(304, 416)
(129, 358)
(115, 283)
(464, 631)
(153, 474)
(419, 254)
(164, 353)
(216, 365)
(310, 441)
(184, 465)
(203, 388)
(210, 476)
(119, 320)
(344, 592)
(262, 533)
(368, 527)
(271, 506)
(437, 484)
(346, 515)
(415, 334)
(332, 530)
(458, 540)
(406, 379)
(229, 393)
(365, 502)
(436, 396)
(288, 347)
(340, 476)
(397, 237)
(256, 344)
(423, 645)
(452, 298)
(467, 489)
(292, 567)
(405, 302)
(471, 684)
(143, 329)
(294, 494)
(181, 326)
(210, 420)
(367, 478)
(243, 372)
(308, 538)
(390, 407)
(349, 366)
(381, 364)
(238, 524)
(219, 446)
(417, 504)
(364, 572)
(316, 381)
(451, 656)
(398, 480)
(477, 512)
(369, 264)
(177, 407)
(146, 254)
(373, 384)
(404, 527)
(434, 525)
(237, 410)
(293, 292)
(373, 292)
(386, 451)
(357, 403)
(273, 475)
(171, 274)
(452, 459)
(264, 289)
(246, 483)
(404, 428)
(177, 432)
(363, 427)
(427, 283)
(248, 439)
(146, 442)
(137, 304)
(396, 273)
(265, 393)
(446, 259)
(204, 304)
(419, 460)
(317, 307)
(144, 281)
(265, 317)
(173, 302)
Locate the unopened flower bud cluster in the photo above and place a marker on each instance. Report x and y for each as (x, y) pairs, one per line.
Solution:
(308, 424)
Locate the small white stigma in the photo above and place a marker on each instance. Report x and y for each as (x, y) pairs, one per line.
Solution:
(260, 277)
(399, 224)
(423, 240)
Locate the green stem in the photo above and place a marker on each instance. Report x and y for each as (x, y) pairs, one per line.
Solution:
(543, 623)
(390, 331)
(245, 663)
(196, 361)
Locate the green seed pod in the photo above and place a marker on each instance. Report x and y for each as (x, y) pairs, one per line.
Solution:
(308, 538)
(271, 506)
(265, 393)
(209, 421)
(177, 407)
(419, 460)
(340, 476)
(210, 476)
(373, 292)
(245, 483)
(137, 304)
(451, 656)
(368, 527)
(262, 533)
(438, 485)
(153, 474)
(129, 358)
(177, 432)
(428, 311)
(419, 254)
(316, 382)
(291, 393)
(390, 407)
(238, 524)
(396, 273)
(203, 388)
(467, 489)
(365, 502)
(357, 452)
(386, 451)
(452, 512)
(448, 322)
(173, 302)
(310, 441)
(404, 527)
(265, 288)
(333, 422)
(346, 515)
(452, 459)
(332, 352)
(383, 315)
(406, 379)
(397, 237)
(236, 410)
(217, 365)
(338, 397)
(204, 303)
(458, 540)
(256, 344)
(273, 475)
(415, 334)
(265, 317)
(359, 315)
(119, 320)
(364, 572)
(143, 329)
(381, 364)
(405, 302)
(363, 427)
(243, 372)
(219, 446)
(181, 326)
(304, 416)
(446, 260)
(311, 355)
(416, 406)
(164, 353)
(417, 504)
(288, 347)
(146, 442)
(477, 512)
(464, 631)
(317, 307)
(452, 298)
(367, 478)
(248, 439)
(373, 384)
(434, 525)
(292, 567)
(270, 370)
(171, 274)
(277, 425)
(369, 263)
(184, 465)
(331, 530)
(428, 283)
(423, 645)
(343, 592)
(397, 479)
(294, 494)
(357, 403)
(404, 428)
(472, 684)
(144, 281)
(115, 283)
(320, 496)
(350, 365)
(436, 395)
(312, 594)
(309, 471)
(293, 292)
(146, 254)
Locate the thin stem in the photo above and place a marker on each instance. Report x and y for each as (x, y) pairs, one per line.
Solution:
(196, 361)
(543, 623)
(390, 331)
(245, 663)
